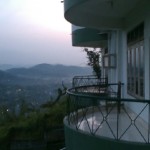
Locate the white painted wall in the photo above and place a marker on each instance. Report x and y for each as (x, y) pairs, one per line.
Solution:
(112, 49)
(137, 16)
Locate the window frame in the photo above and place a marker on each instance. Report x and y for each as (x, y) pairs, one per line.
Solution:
(109, 61)
(135, 62)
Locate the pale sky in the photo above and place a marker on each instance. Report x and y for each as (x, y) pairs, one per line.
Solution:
(35, 31)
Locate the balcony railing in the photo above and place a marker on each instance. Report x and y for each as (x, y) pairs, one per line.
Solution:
(88, 80)
(107, 114)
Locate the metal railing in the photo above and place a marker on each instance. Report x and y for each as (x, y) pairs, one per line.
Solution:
(108, 114)
(88, 80)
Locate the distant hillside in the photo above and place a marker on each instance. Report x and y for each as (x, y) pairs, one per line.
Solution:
(6, 77)
(37, 84)
(47, 70)
(10, 79)
(7, 66)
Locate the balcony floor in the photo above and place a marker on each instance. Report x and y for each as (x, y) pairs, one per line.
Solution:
(129, 127)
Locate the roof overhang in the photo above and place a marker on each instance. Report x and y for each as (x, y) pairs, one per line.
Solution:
(103, 14)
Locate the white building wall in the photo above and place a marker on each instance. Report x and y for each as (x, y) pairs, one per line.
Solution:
(117, 45)
(112, 72)
(147, 57)
(122, 61)
(137, 16)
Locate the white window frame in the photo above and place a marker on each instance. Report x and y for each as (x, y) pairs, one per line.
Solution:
(109, 61)
(135, 73)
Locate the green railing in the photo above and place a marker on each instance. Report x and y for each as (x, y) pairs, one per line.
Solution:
(107, 114)
(88, 80)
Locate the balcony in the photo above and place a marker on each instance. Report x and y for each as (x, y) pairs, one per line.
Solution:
(103, 14)
(86, 37)
(99, 117)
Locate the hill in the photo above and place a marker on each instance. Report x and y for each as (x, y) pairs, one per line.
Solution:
(7, 77)
(6, 66)
(48, 70)
(37, 84)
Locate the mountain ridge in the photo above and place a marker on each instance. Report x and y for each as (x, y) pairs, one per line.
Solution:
(49, 70)
(37, 84)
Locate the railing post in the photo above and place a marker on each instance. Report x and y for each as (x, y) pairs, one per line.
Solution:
(119, 96)
(73, 82)
(149, 122)
(118, 107)
(106, 80)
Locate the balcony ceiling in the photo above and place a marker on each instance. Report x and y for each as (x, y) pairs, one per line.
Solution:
(104, 14)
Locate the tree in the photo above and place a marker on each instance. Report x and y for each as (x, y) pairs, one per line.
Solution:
(94, 60)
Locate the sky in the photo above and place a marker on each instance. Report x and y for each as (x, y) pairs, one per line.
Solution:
(34, 32)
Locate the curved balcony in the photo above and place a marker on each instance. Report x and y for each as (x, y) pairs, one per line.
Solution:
(86, 37)
(105, 14)
(102, 119)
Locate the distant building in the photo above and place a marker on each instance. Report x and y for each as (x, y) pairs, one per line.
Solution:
(121, 29)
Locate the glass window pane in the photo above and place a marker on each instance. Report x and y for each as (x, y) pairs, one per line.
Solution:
(135, 61)
(135, 64)
(136, 85)
(141, 87)
(141, 61)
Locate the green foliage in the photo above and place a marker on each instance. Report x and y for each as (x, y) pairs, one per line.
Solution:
(93, 60)
(35, 122)
(56, 113)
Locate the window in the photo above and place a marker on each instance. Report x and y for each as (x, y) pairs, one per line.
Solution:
(109, 61)
(135, 62)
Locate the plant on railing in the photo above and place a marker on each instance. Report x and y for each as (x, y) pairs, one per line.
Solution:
(94, 60)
